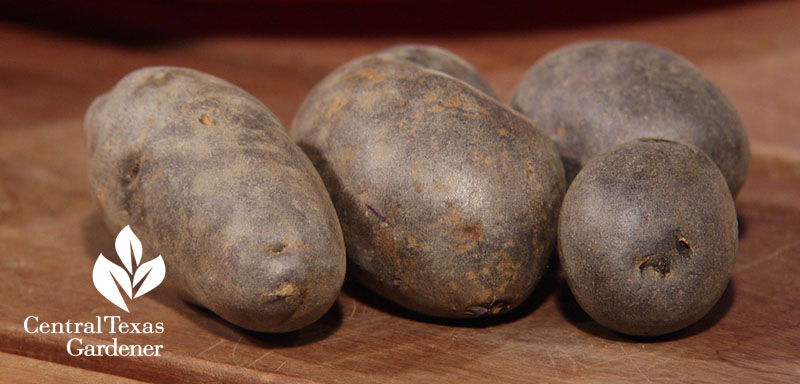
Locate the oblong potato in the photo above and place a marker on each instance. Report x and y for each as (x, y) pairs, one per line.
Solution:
(448, 199)
(592, 95)
(207, 176)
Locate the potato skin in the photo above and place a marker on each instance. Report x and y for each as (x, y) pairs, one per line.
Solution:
(448, 199)
(592, 95)
(647, 236)
(207, 176)
(442, 60)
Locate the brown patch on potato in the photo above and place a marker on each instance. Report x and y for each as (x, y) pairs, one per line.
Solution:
(347, 156)
(158, 174)
(473, 231)
(373, 76)
(482, 158)
(394, 210)
(467, 237)
(205, 120)
(452, 102)
(407, 129)
(471, 275)
(560, 131)
(335, 106)
(528, 168)
(286, 289)
(430, 98)
(383, 241)
(416, 244)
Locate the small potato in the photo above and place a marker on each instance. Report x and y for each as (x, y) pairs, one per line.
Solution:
(448, 199)
(207, 176)
(593, 95)
(647, 236)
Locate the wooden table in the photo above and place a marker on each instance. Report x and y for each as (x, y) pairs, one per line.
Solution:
(51, 233)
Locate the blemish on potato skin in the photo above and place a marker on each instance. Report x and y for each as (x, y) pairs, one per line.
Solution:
(275, 248)
(464, 237)
(430, 98)
(473, 231)
(528, 168)
(416, 244)
(452, 102)
(657, 263)
(207, 121)
(157, 174)
(376, 213)
(286, 289)
(335, 106)
(683, 247)
(384, 242)
(491, 308)
(394, 210)
(560, 131)
(408, 129)
(484, 159)
(373, 76)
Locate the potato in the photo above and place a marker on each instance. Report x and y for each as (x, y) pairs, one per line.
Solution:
(448, 199)
(207, 176)
(442, 60)
(647, 236)
(593, 95)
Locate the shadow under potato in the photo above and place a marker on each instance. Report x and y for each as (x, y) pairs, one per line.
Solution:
(547, 285)
(573, 313)
(317, 331)
(742, 224)
(99, 239)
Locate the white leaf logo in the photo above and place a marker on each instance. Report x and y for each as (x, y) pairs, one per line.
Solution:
(107, 275)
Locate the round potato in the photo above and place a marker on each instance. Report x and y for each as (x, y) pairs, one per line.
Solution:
(647, 236)
(207, 176)
(448, 199)
(593, 95)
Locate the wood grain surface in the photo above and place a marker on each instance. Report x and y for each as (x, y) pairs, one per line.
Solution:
(25, 370)
(51, 232)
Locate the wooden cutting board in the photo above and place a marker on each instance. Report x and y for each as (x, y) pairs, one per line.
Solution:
(51, 232)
